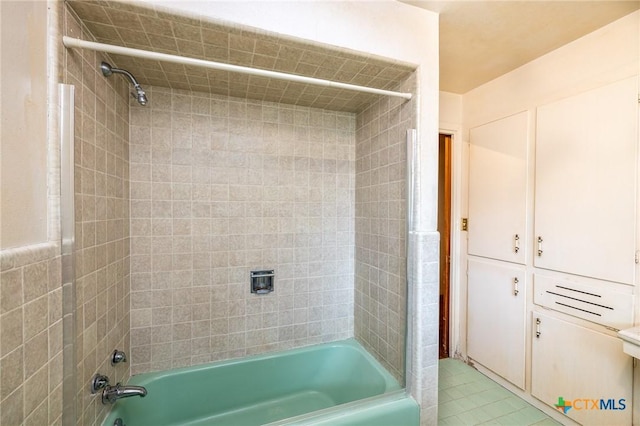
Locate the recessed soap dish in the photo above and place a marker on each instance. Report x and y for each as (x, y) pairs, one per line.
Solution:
(262, 281)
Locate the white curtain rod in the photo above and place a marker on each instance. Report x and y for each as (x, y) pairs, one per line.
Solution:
(145, 54)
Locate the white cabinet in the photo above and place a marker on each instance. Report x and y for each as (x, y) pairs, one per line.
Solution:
(498, 189)
(496, 318)
(585, 185)
(583, 367)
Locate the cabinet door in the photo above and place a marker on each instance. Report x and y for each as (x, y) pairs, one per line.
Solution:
(498, 189)
(577, 364)
(496, 318)
(585, 188)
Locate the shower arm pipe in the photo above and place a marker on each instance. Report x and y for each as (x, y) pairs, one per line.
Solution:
(71, 42)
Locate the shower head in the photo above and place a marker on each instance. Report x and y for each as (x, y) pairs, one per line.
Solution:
(139, 94)
(106, 69)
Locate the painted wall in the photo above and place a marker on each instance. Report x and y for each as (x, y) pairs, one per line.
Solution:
(606, 55)
(23, 142)
(450, 111)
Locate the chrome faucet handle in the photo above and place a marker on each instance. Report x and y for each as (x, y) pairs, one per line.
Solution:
(118, 357)
(98, 382)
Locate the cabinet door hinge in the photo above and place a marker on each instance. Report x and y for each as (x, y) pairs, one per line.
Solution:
(637, 258)
(465, 224)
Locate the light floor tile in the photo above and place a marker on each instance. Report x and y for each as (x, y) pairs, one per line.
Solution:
(498, 409)
(475, 416)
(546, 422)
(468, 397)
(450, 421)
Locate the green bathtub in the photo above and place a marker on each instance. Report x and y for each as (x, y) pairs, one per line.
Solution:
(337, 383)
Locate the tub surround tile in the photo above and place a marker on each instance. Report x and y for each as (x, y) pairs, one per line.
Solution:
(12, 408)
(35, 280)
(36, 353)
(34, 391)
(233, 185)
(381, 281)
(27, 328)
(196, 37)
(422, 351)
(38, 416)
(11, 372)
(102, 218)
(11, 295)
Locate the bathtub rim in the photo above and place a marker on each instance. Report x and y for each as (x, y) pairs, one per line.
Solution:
(339, 410)
(391, 382)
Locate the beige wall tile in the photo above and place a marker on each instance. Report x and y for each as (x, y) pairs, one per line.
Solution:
(34, 390)
(381, 286)
(11, 295)
(212, 220)
(39, 416)
(11, 372)
(25, 333)
(36, 353)
(11, 331)
(36, 317)
(102, 217)
(12, 408)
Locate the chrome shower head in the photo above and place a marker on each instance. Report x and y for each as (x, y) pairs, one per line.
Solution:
(106, 69)
(139, 94)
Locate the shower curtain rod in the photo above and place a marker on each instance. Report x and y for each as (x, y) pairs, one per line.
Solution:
(70, 42)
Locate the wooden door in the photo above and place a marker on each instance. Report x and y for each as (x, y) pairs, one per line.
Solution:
(444, 228)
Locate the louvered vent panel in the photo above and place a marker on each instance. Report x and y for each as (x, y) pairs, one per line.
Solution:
(600, 304)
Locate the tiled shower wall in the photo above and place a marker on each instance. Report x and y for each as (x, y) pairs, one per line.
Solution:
(381, 284)
(102, 220)
(30, 335)
(221, 186)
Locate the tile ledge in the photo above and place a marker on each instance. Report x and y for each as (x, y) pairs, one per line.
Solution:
(20, 256)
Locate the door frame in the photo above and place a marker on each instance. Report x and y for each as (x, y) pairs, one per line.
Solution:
(458, 241)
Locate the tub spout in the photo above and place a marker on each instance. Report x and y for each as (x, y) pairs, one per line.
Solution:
(111, 394)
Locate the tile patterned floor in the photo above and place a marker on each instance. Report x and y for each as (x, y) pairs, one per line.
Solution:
(467, 397)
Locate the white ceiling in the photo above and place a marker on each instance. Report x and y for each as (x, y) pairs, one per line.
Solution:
(481, 40)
